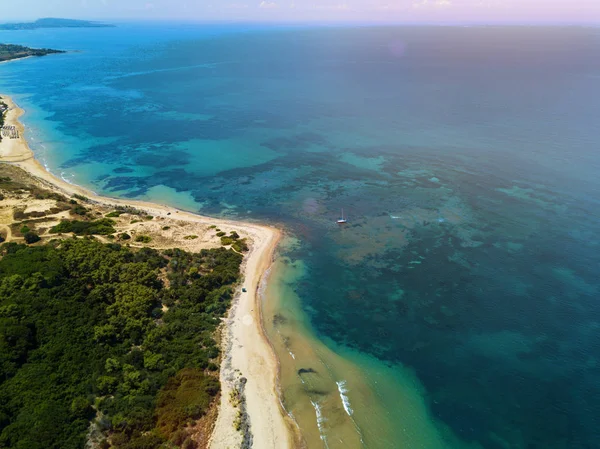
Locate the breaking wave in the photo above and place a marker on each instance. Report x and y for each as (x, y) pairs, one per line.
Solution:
(341, 385)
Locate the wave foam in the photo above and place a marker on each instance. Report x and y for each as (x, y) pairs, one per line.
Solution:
(345, 400)
(320, 422)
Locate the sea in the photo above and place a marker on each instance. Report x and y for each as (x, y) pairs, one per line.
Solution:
(459, 306)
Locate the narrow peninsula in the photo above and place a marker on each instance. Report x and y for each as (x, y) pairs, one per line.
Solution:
(53, 23)
(10, 51)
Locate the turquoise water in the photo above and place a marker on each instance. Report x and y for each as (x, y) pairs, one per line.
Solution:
(465, 159)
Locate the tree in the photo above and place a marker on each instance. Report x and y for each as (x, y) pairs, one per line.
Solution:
(31, 237)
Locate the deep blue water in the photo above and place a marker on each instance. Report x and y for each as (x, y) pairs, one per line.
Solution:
(466, 159)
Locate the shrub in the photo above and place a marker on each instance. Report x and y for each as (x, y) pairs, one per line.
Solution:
(240, 246)
(104, 226)
(220, 234)
(81, 197)
(143, 239)
(226, 241)
(189, 444)
(114, 214)
(190, 237)
(31, 237)
(24, 230)
(124, 236)
(166, 228)
(79, 210)
(212, 366)
(185, 397)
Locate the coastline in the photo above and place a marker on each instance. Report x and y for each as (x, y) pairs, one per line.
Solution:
(247, 351)
(5, 61)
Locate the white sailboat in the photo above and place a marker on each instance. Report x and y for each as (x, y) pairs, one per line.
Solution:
(342, 220)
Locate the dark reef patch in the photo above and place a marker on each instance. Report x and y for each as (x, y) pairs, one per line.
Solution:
(122, 170)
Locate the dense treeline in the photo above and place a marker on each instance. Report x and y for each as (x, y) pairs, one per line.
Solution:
(3, 109)
(93, 342)
(11, 51)
(104, 226)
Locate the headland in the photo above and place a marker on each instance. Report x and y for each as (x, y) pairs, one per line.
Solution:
(250, 408)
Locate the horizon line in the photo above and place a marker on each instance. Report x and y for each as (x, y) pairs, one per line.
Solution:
(328, 21)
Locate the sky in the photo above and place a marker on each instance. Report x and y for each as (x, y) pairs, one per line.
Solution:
(402, 11)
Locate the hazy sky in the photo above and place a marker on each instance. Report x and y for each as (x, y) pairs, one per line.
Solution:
(441, 11)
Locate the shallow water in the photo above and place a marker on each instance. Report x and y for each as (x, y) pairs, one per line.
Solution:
(341, 398)
(459, 304)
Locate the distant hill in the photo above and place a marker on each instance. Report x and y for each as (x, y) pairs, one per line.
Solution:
(53, 23)
(9, 51)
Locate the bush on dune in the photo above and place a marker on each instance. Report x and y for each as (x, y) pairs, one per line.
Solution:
(104, 226)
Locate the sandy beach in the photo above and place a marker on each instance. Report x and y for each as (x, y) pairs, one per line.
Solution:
(247, 353)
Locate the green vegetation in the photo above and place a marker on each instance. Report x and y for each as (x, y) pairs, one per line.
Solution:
(221, 234)
(124, 236)
(240, 246)
(81, 198)
(104, 226)
(14, 186)
(53, 23)
(234, 240)
(120, 210)
(190, 237)
(83, 338)
(31, 237)
(143, 239)
(8, 185)
(3, 109)
(9, 51)
(79, 210)
(166, 228)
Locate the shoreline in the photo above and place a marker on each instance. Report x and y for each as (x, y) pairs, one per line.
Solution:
(247, 352)
(4, 61)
